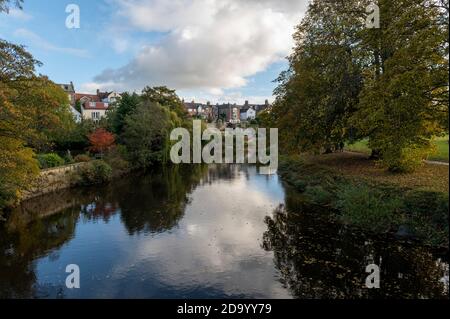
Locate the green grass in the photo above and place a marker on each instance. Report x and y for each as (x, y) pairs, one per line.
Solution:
(359, 147)
(367, 203)
(441, 144)
(441, 148)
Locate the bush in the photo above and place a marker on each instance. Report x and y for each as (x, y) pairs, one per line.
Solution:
(319, 195)
(50, 160)
(369, 208)
(95, 172)
(403, 160)
(116, 159)
(427, 214)
(82, 158)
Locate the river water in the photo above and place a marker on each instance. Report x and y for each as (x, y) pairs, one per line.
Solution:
(202, 232)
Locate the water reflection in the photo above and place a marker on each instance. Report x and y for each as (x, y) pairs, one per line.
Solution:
(198, 232)
(319, 258)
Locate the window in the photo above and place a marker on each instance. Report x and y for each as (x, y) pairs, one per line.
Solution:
(95, 116)
(92, 104)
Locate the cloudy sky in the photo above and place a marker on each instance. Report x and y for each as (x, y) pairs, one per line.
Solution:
(216, 50)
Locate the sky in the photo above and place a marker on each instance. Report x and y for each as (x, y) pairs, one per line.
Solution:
(208, 50)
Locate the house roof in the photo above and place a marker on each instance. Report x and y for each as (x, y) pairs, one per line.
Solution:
(98, 106)
(92, 97)
(69, 88)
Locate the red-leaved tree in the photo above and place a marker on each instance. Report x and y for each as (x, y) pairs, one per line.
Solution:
(101, 141)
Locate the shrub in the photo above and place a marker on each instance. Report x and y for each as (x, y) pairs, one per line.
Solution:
(403, 160)
(369, 208)
(116, 159)
(68, 158)
(319, 195)
(427, 214)
(82, 158)
(95, 172)
(50, 160)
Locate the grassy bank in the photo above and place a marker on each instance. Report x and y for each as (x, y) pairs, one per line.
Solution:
(440, 143)
(412, 205)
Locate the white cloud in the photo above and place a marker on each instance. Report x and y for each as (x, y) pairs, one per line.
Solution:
(208, 45)
(39, 42)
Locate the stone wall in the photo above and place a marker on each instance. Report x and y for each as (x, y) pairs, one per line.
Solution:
(51, 180)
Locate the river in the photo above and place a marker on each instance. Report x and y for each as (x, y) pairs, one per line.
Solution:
(202, 232)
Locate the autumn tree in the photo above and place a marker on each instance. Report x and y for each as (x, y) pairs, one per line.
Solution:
(346, 81)
(318, 94)
(101, 141)
(32, 110)
(404, 102)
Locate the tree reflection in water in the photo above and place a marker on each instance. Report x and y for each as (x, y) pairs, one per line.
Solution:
(318, 258)
(40, 227)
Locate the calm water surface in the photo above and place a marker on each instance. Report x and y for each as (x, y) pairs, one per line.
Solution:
(201, 232)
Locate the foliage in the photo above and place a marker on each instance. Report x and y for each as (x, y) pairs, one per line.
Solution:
(76, 137)
(101, 141)
(92, 173)
(428, 216)
(377, 207)
(318, 94)
(43, 105)
(17, 168)
(347, 82)
(50, 160)
(166, 98)
(368, 207)
(127, 104)
(145, 134)
(116, 158)
(82, 158)
(405, 96)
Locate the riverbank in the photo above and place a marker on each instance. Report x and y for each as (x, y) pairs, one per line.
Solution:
(409, 205)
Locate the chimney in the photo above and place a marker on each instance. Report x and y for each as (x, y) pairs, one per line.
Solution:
(267, 103)
(246, 103)
(98, 92)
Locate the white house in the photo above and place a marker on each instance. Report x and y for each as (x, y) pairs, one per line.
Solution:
(248, 114)
(94, 111)
(109, 97)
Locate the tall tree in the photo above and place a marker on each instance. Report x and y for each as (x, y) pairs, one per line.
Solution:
(166, 98)
(404, 102)
(346, 81)
(146, 134)
(319, 92)
(127, 104)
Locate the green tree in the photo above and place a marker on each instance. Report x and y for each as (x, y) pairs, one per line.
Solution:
(47, 108)
(145, 134)
(166, 98)
(319, 92)
(346, 81)
(127, 104)
(404, 102)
